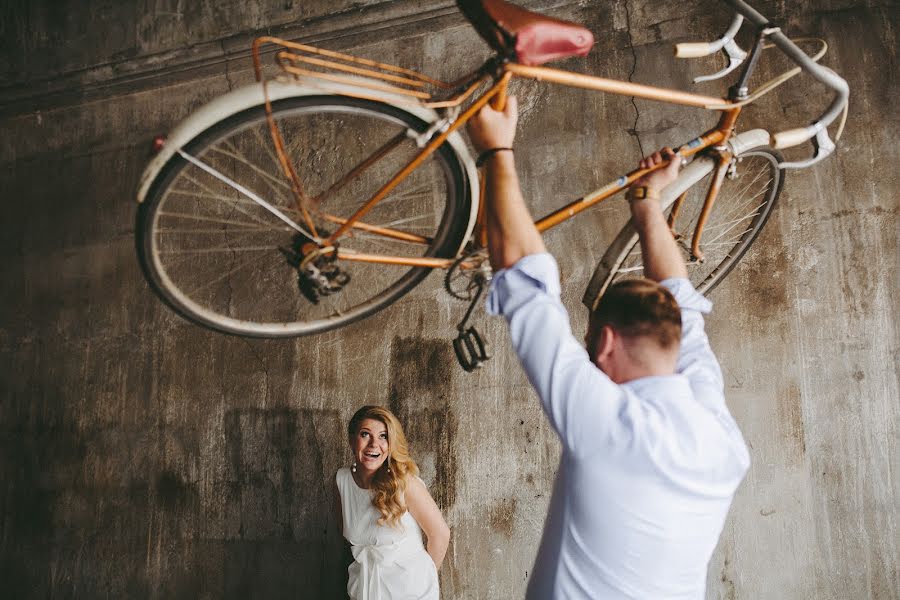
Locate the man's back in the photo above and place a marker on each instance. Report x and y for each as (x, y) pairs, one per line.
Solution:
(648, 468)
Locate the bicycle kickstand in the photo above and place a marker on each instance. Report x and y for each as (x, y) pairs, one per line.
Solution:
(468, 345)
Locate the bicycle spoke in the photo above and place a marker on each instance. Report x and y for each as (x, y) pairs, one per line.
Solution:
(239, 224)
(243, 264)
(741, 192)
(631, 269)
(268, 177)
(215, 231)
(244, 191)
(213, 197)
(264, 141)
(221, 249)
(233, 203)
(733, 224)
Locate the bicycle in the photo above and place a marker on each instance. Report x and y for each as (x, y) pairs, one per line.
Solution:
(255, 205)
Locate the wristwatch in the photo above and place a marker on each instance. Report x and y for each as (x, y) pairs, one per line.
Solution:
(641, 192)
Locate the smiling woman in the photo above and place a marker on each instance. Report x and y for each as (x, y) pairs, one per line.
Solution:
(384, 508)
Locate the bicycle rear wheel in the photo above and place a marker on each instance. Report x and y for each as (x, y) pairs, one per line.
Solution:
(742, 207)
(221, 259)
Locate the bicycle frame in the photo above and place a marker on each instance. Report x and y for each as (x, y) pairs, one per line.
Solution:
(406, 83)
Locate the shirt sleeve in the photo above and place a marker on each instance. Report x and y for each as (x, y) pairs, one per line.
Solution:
(696, 360)
(583, 405)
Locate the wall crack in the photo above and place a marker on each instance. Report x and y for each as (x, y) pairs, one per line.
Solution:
(637, 112)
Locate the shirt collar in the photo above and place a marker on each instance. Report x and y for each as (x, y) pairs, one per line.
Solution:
(670, 385)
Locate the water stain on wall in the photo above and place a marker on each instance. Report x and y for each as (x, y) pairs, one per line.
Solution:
(763, 271)
(790, 419)
(501, 516)
(726, 578)
(278, 497)
(421, 373)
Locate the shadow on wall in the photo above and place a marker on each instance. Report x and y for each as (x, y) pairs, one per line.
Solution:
(280, 539)
(255, 522)
(421, 374)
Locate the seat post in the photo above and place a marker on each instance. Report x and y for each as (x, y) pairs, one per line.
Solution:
(496, 36)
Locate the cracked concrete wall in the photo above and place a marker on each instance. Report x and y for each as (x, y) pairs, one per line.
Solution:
(146, 457)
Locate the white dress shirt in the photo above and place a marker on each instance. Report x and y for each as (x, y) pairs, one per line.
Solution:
(648, 468)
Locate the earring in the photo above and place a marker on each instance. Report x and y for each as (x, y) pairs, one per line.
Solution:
(353, 467)
(389, 464)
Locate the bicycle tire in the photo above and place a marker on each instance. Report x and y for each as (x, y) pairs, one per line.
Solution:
(325, 136)
(756, 198)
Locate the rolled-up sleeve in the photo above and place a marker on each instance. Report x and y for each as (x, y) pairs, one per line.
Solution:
(696, 360)
(584, 406)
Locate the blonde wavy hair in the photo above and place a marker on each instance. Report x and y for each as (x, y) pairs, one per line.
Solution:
(389, 482)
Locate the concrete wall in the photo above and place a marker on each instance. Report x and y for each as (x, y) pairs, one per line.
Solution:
(145, 457)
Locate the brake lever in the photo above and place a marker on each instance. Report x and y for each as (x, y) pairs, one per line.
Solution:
(736, 57)
(824, 147)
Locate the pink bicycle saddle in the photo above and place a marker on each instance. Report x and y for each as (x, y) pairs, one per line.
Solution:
(535, 38)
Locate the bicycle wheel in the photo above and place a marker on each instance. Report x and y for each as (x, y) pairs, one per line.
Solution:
(742, 207)
(221, 259)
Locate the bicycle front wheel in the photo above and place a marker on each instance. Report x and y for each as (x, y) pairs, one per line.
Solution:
(742, 207)
(219, 257)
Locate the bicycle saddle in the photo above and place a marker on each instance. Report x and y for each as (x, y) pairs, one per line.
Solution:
(531, 38)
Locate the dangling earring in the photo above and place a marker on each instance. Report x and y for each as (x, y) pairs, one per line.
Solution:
(389, 464)
(353, 467)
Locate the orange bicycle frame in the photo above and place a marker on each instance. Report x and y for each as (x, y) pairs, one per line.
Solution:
(302, 60)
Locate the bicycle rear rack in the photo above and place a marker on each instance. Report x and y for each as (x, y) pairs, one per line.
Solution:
(361, 74)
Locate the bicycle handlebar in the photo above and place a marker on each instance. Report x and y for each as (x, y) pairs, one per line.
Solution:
(818, 129)
(698, 49)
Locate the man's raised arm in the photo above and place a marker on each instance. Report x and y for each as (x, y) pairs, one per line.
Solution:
(662, 258)
(510, 228)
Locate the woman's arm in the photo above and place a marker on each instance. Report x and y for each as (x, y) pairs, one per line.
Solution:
(336, 509)
(426, 513)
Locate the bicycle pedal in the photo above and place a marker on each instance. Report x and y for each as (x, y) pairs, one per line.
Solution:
(470, 349)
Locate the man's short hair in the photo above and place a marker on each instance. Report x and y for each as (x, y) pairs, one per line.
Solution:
(638, 308)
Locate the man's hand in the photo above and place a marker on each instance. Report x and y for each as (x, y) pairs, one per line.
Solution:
(659, 179)
(493, 128)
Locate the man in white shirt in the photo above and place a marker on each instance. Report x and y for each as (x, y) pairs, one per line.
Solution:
(651, 457)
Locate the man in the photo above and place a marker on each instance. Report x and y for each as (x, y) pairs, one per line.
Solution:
(651, 457)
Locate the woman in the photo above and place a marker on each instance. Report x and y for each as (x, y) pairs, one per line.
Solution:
(383, 508)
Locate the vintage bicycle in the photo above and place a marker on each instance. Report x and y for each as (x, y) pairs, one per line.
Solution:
(313, 199)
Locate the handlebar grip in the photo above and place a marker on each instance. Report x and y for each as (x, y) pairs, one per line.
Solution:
(693, 49)
(792, 137)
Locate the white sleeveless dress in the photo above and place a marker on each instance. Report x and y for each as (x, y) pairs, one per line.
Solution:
(390, 562)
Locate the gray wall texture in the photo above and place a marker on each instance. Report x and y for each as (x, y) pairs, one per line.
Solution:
(142, 456)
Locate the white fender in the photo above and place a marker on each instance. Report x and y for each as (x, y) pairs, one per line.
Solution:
(249, 96)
